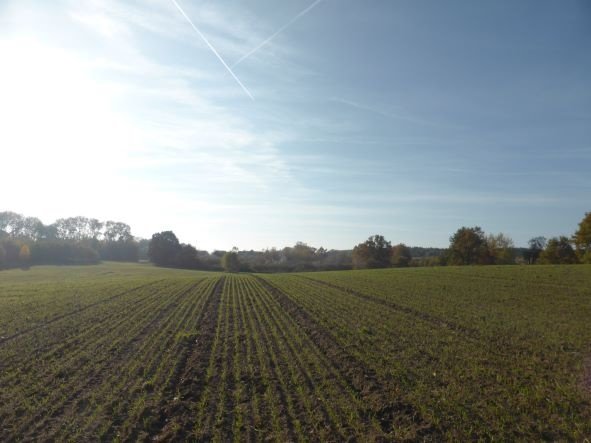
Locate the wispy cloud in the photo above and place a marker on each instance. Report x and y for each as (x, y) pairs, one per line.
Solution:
(212, 49)
(101, 22)
(276, 33)
(229, 29)
(403, 115)
(138, 117)
(455, 197)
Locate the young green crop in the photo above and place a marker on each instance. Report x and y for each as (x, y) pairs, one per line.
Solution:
(131, 352)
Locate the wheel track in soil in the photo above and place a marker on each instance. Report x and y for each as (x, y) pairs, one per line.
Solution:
(364, 381)
(498, 346)
(276, 367)
(162, 321)
(99, 339)
(175, 418)
(586, 377)
(434, 320)
(247, 373)
(181, 337)
(293, 350)
(47, 349)
(493, 345)
(222, 383)
(232, 360)
(69, 403)
(253, 377)
(219, 402)
(57, 347)
(76, 311)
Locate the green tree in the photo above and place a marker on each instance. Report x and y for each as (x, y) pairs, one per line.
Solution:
(164, 248)
(501, 249)
(11, 252)
(582, 239)
(468, 246)
(49, 232)
(558, 251)
(121, 250)
(114, 231)
(536, 246)
(24, 256)
(143, 246)
(2, 257)
(71, 228)
(11, 223)
(303, 253)
(230, 261)
(373, 253)
(188, 257)
(401, 256)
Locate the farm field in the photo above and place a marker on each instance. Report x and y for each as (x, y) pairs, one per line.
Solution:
(132, 352)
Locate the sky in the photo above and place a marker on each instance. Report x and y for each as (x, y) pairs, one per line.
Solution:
(258, 123)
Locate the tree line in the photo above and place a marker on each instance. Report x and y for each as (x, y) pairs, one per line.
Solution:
(472, 246)
(468, 246)
(26, 241)
(166, 250)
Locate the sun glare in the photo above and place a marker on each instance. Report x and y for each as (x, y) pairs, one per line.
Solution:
(59, 121)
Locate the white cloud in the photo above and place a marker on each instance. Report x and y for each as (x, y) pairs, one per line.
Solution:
(101, 23)
(234, 31)
(117, 133)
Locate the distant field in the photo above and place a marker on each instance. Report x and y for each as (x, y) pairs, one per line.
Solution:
(132, 352)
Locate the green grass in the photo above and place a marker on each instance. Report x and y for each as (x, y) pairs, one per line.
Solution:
(128, 352)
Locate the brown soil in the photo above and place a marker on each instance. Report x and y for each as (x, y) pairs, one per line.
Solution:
(381, 396)
(405, 309)
(586, 383)
(71, 313)
(176, 416)
(70, 405)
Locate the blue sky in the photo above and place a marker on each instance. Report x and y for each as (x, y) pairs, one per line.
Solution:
(405, 118)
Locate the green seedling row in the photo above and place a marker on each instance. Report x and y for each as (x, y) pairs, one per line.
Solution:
(123, 352)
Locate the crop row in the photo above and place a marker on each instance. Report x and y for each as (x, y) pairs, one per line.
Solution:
(93, 378)
(500, 302)
(163, 355)
(274, 373)
(460, 383)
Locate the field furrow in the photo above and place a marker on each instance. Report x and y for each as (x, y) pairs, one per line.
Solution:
(85, 329)
(382, 404)
(405, 309)
(102, 379)
(188, 381)
(46, 322)
(137, 353)
(53, 374)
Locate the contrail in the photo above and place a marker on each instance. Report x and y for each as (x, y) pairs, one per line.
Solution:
(213, 49)
(279, 31)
